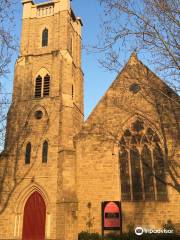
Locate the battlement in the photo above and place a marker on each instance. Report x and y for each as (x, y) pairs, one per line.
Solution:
(33, 10)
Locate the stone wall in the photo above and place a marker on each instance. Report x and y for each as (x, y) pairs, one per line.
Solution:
(97, 148)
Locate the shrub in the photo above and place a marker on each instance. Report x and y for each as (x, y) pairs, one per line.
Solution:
(127, 236)
(89, 236)
(132, 236)
(169, 226)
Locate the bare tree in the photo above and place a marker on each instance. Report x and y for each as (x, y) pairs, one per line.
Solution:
(142, 96)
(7, 40)
(151, 27)
(4, 103)
(7, 47)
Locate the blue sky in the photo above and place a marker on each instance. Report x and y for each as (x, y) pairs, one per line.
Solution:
(96, 79)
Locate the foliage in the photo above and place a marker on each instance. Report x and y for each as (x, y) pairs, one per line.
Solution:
(169, 226)
(131, 227)
(127, 236)
(89, 219)
(130, 236)
(89, 236)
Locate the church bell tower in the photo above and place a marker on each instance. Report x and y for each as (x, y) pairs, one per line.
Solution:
(45, 114)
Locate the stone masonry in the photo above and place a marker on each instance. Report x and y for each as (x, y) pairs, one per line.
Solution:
(83, 157)
(62, 119)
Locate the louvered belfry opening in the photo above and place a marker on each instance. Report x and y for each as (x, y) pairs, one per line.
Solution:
(42, 86)
(38, 87)
(46, 88)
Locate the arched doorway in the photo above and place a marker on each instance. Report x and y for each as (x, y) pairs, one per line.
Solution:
(34, 218)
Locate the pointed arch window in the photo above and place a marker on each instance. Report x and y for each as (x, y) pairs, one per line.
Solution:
(46, 87)
(124, 170)
(136, 174)
(42, 86)
(148, 173)
(45, 152)
(28, 153)
(38, 87)
(159, 173)
(45, 37)
(142, 166)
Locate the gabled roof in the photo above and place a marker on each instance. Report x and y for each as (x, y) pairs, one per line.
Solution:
(132, 65)
(132, 60)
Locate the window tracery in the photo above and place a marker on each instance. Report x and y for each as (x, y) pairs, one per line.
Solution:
(142, 165)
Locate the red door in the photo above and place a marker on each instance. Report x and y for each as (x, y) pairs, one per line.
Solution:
(34, 218)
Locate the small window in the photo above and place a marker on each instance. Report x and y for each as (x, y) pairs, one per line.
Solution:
(45, 152)
(46, 86)
(134, 88)
(71, 46)
(45, 37)
(38, 114)
(28, 154)
(38, 86)
(72, 91)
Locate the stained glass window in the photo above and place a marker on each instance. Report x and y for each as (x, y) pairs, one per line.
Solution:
(125, 178)
(142, 166)
(136, 174)
(160, 173)
(148, 173)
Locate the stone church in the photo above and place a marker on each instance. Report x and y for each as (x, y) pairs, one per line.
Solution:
(56, 169)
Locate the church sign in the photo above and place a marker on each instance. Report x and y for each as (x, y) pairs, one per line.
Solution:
(111, 216)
